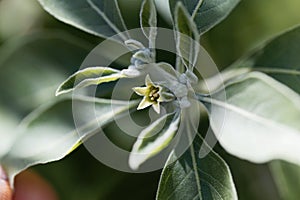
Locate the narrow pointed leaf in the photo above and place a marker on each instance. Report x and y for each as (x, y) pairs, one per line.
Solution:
(44, 59)
(154, 139)
(49, 134)
(258, 120)
(38, 63)
(278, 58)
(187, 37)
(191, 177)
(41, 70)
(148, 20)
(102, 18)
(89, 76)
(206, 13)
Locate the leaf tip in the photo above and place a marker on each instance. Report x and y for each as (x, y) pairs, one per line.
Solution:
(135, 161)
(179, 7)
(62, 89)
(59, 91)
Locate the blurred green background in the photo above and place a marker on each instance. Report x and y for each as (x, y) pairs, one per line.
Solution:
(80, 176)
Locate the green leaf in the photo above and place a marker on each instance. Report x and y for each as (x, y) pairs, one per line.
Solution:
(49, 134)
(154, 139)
(187, 37)
(38, 69)
(102, 18)
(8, 122)
(205, 13)
(39, 63)
(287, 179)
(67, 174)
(167, 70)
(279, 58)
(148, 20)
(257, 118)
(192, 177)
(89, 76)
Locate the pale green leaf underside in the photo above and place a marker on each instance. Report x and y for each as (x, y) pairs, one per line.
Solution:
(154, 139)
(191, 177)
(102, 18)
(280, 59)
(89, 76)
(259, 121)
(187, 37)
(49, 133)
(148, 21)
(206, 13)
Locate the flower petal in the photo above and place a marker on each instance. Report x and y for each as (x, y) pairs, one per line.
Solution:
(142, 91)
(144, 104)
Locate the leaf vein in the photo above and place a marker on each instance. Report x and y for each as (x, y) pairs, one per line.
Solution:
(104, 16)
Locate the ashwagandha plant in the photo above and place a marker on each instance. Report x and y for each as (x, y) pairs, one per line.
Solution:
(253, 105)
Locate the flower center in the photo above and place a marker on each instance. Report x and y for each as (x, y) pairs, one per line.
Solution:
(154, 95)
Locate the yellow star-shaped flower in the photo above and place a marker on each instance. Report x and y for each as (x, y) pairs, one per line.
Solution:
(153, 95)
